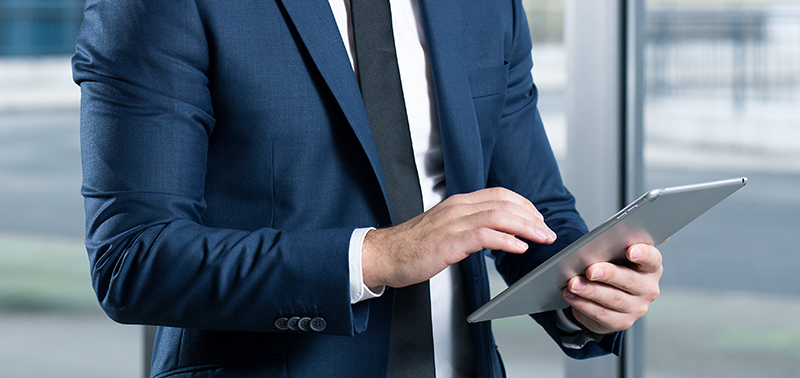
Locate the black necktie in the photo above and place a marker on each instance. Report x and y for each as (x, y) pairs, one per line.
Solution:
(411, 349)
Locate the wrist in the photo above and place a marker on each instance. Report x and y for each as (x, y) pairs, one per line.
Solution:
(370, 263)
(568, 312)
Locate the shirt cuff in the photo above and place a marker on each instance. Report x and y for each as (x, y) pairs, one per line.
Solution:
(564, 324)
(358, 291)
(572, 335)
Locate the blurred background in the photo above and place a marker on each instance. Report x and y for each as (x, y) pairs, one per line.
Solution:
(50, 322)
(721, 100)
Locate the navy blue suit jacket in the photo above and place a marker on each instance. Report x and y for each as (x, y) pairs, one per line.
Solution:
(227, 159)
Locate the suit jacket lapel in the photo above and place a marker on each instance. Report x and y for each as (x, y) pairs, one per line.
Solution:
(461, 142)
(461, 147)
(316, 26)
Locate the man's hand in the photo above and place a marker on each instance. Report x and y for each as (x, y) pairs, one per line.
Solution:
(420, 248)
(611, 297)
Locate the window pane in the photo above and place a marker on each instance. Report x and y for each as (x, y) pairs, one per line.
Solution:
(723, 88)
(50, 322)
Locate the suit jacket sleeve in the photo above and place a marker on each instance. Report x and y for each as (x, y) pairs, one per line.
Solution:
(146, 125)
(523, 161)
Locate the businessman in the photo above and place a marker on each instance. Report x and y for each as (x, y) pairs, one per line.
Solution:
(283, 197)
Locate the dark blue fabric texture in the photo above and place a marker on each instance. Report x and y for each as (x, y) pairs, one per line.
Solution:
(227, 159)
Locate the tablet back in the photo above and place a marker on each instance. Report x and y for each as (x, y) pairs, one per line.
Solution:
(651, 219)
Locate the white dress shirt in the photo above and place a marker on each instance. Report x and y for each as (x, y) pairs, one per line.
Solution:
(451, 338)
(451, 335)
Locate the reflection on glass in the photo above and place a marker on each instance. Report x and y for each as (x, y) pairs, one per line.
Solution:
(723, 88)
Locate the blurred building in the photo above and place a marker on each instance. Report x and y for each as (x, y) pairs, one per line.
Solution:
(39, 27)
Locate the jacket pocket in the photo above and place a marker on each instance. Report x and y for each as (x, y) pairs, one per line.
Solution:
(488, 81)
(488, 86)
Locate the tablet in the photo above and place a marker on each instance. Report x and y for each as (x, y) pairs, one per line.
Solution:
(651, 219)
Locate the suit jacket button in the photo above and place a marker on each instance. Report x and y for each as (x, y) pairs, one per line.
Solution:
(318, 324)
(293, 323)
(282, 324)
(304, 324)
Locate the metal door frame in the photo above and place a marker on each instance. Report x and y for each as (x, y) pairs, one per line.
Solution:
(604, 41)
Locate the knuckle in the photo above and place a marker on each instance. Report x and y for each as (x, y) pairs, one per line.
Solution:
(454, 211)
(497, 190)
(505, 206)
(627, 323)
(493, 215)
(527, 224)
(641, 312)
(502, 193)
(655, 293)
(604, 316)
(617, 301)
(633, 281)
(481, 233)
(457, 198)
(489, 192)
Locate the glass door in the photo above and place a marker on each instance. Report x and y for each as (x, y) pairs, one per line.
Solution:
(723, 100)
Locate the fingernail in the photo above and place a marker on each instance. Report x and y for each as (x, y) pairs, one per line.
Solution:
(542, 233)
(522, 245)
(597, 274)
(636, 253)
(577, 286)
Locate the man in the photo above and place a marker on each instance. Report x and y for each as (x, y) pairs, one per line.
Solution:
(235, 195)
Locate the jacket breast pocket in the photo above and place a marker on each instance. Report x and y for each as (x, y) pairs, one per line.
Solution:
(488, 86)
(488, 81)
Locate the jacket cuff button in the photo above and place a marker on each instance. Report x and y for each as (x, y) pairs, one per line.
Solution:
(318, 324)
(282, 324)
(304, 324)
(293, 323)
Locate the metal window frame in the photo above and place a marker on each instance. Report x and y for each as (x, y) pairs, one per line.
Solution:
(149, 338)
(604, 165)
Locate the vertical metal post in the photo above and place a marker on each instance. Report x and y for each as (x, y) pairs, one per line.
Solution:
(594, 163)
(149, 338)
(739, 38)
(633, 98)
(604, 161)
(632, 361)
(595, 111)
